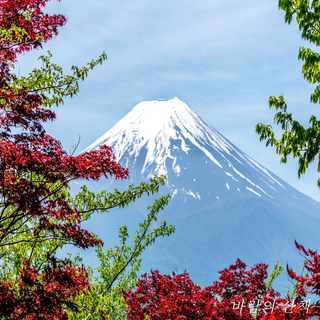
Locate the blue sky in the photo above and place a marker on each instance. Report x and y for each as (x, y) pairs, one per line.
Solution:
(223, 58)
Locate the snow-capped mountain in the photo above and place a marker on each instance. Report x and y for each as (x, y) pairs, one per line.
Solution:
(224, 204)
(167, 137)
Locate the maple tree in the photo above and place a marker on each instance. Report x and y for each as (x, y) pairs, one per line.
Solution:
(37, 215)
(238, 294)
(34, 169)
(118, 267)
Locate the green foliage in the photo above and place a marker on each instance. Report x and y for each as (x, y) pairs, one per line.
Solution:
(88, 202)
(49, 79)
(119, 266)
(18, 34)
(274, 274)
(296, 140)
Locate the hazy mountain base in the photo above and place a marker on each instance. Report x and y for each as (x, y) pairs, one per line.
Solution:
(210, 238)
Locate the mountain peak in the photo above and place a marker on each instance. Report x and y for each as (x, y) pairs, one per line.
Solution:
(147, 121)
(151, 124)
(151, 115)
